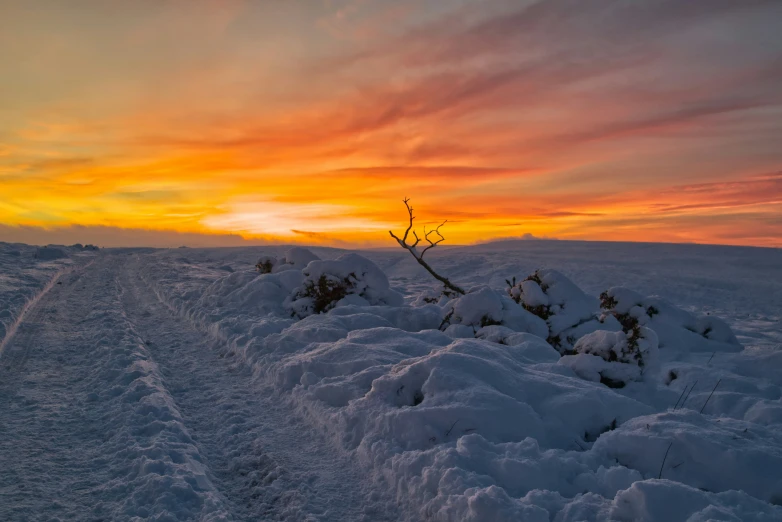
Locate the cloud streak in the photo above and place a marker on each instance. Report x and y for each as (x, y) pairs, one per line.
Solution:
(571, 119)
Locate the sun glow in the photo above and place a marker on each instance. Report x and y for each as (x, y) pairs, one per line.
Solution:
(204, 128)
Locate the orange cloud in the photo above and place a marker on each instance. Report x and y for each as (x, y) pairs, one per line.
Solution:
(631, 122)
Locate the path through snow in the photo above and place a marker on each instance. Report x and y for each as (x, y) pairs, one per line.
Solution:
(114, 408)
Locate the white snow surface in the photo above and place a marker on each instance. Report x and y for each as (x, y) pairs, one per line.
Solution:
(184, 385)
(25, 271)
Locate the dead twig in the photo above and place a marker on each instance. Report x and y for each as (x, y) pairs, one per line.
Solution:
(451, 428)
(419, 257)
(712, 393)
(680, 397)
(660, 475)
(688, 394)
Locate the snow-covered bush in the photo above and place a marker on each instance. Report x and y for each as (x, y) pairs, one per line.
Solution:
(266, 264)
(614, 358)
(434, 296)
(566, 309)
(483, 306)
(675, 328)
(349, 280)
(295, 258)
(474, 386)
(259, 295)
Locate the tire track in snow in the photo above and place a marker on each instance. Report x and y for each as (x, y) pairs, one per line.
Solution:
(13, 327)
(87, 431)
(220, 426)
(267, 461)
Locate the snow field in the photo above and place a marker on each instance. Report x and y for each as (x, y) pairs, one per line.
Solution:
(122, 437)
(113, 408)
(26, 272)
(485, 420)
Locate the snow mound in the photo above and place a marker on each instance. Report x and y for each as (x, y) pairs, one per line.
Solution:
(295, 259)
(567, 310)
(676, 329)
(483, 306)
(713, 454)
(664, 500)
(243, 302)
(614, 358)
(475, 386)
(348, 280)
(299, 257)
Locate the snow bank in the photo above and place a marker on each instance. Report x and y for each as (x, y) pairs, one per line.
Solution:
(662, 500)
(464, 410)
(713, 454)
(497, 391)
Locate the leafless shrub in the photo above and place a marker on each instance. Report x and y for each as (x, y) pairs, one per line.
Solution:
(419, 256)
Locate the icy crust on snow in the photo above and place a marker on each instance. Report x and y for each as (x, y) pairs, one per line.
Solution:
(24, 272)
(462, 407)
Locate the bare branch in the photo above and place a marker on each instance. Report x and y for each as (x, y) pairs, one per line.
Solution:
(420, 257)
(660, 475)
(409, 211)
(433, 244)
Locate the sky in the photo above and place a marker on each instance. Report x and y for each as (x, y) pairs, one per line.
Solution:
(212, 122)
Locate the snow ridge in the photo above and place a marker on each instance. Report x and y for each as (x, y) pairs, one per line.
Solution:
(443, 421)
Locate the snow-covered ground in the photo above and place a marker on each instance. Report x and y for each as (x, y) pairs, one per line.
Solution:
(25, 273)
(183, 384)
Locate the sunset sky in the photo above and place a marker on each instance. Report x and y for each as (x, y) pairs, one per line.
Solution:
(309, 121)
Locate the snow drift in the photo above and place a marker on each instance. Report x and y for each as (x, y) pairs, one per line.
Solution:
(503, 404)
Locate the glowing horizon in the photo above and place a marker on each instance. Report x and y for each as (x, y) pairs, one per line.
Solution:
(308, 122)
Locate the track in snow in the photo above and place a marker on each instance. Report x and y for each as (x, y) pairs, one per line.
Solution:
(111, 407)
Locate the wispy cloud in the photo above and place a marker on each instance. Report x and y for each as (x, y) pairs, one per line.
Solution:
(599, 119)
